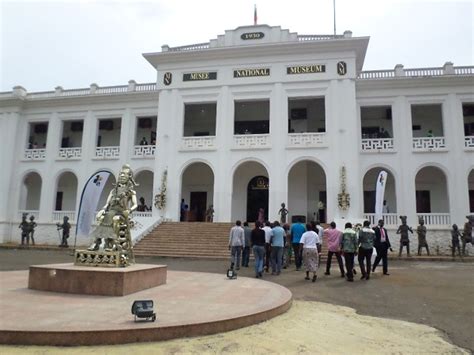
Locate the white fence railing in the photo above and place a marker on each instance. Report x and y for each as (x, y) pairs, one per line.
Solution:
(70, 153)
(146, 214)
(58, 216)
(29, 213)
(35, 154)
(198, 143)
(390, 219)
(107, 152)
(416, 72)
(252, 141)
(303, 140)
(428, 144)
(469, 142)
(377, 145)
(436, 219)
(144, 151)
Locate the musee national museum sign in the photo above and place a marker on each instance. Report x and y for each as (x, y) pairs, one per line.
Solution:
(245, 73)
(306, 69)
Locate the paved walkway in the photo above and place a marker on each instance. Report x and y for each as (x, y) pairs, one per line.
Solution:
(434, 294)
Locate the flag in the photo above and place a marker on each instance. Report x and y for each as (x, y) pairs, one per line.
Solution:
(379, 194)
(89, 199)
(255, 15)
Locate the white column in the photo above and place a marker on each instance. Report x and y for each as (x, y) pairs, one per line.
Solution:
(406, 186)
(345, 128)
(457, 181)
(223, 179)
(278, 185)
(168, 136)
(9, 122)
(89, 136)
(48, 177)
(126, 136)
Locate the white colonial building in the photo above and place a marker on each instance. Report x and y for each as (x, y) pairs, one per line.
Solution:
(254, 118)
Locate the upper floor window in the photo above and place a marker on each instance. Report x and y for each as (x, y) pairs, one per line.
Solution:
(427, 120)
(306, 115)
(145, 133)
(37, 134)
(109, 132)
(72, 134)
(200, 119)
(252, 117)
(468, 118)
(376, 122)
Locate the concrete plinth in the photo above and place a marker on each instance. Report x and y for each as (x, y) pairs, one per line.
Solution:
(68, 278)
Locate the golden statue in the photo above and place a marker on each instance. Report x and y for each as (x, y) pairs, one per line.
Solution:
(113, 226)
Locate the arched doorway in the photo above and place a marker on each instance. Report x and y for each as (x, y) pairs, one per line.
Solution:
(66, 192)
(257, 197)
(243, 208)
(369, 189)
(144, 190)
(30, 194)
(197, 190)
(307, 192)
(431, 191)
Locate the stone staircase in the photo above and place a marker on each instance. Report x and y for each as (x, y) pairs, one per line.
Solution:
(186, 239)
(193, 240)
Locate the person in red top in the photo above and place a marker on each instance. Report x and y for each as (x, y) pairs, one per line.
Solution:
(333, 237)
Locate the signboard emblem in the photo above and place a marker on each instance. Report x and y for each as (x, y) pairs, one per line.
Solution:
(167, 78)
(252, 35)
(342, 68)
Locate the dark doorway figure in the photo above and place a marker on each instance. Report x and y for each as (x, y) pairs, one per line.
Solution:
(257, 197)
(198, 205)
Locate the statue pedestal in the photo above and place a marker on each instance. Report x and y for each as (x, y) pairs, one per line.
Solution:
(103, 281)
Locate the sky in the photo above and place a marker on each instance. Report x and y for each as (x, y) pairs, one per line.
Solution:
(73, 43)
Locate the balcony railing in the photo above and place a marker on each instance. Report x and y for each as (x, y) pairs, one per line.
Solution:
(252, 141)
(390, 219)
(198, 143)
(469, 143)
(142, 214)
(306, 140)
(416, 72)
(107, 153)
(35, 154)
(69, 153)
(58, 216)
(29, 213)
(436, 219)
(144, 151)
(429, 144)
(377, 145)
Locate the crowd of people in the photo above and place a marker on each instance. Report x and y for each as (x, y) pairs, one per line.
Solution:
(275, 246)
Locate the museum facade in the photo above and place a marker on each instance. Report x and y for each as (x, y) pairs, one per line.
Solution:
(251, 119)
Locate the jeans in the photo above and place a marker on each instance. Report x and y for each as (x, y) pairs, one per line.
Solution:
(365, 255)
(298, 251)
(236, 252)
(259, 254)
(246, 256)
(276, 257)
(349, 259)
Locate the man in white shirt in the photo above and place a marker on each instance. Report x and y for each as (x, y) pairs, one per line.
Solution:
(236, 244)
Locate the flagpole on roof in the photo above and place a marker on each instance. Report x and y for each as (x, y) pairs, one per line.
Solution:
(255, 14)
(334, 10)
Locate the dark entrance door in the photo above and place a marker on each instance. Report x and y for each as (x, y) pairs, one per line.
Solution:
(59, 201)
(423, 201)
(471, 200)
(369, 201)
(257, 197)
(198, 205)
